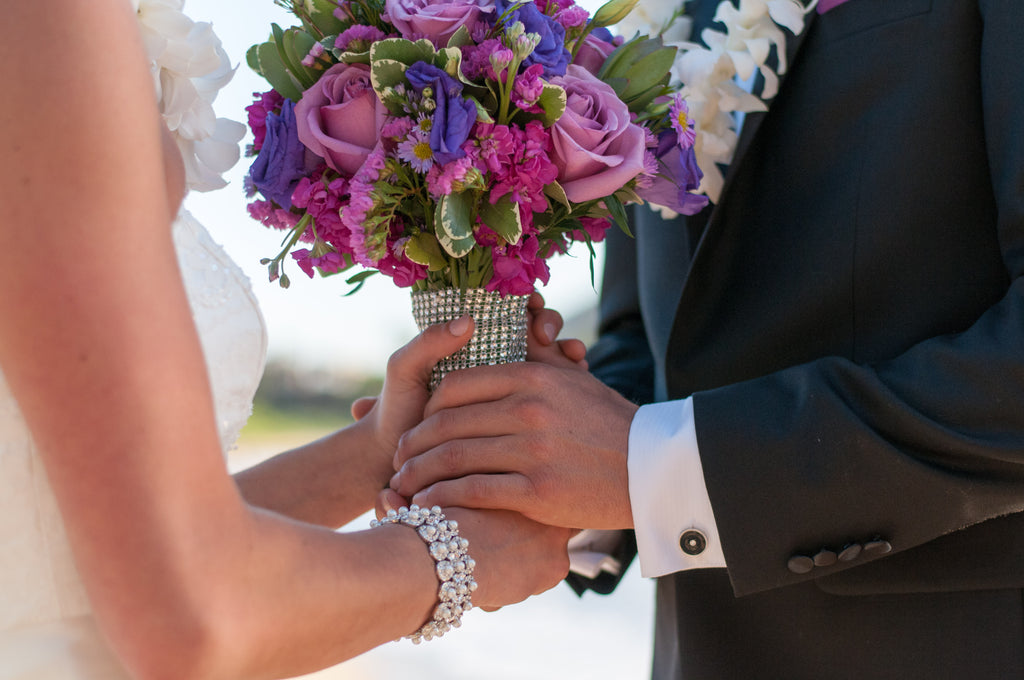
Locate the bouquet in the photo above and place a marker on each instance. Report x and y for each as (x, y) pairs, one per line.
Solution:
(459, 144)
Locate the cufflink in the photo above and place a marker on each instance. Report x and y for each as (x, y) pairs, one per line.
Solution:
(693, 542)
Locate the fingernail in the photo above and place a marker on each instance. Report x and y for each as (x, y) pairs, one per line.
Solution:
(459, 327)
(396, 479)
(387, 504)
(550, 331)
(421, 497)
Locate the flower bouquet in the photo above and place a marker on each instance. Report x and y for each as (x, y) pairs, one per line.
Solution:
(456, 145)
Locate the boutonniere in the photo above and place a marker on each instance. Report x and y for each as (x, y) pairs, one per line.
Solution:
(711, 71)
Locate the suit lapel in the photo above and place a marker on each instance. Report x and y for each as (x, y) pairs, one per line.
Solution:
(752, 122)
(711, 243)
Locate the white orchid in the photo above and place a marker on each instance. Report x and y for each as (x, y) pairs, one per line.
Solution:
(711, 72)
(189, 67)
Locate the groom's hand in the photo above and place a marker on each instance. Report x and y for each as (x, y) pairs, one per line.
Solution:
(545, 441)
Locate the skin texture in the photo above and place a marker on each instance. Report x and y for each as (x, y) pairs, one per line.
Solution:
(230, 589)
(512, 437)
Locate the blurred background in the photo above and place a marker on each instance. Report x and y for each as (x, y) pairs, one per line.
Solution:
(325, 349)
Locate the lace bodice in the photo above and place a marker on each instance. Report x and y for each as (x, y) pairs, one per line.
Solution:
(38, 581)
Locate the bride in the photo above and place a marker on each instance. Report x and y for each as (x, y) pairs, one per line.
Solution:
(129, 352)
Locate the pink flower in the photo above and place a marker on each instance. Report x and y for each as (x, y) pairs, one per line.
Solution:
(527, 89)
(593, 53)
(265, 103)
(340, 117)
(272, 216)
(436, 20)
(573, 16)
(328, 263)
(597, 147)
(520, 165)
(518, 267)
(324, 202)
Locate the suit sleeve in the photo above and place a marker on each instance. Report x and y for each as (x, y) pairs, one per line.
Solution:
(900, 452)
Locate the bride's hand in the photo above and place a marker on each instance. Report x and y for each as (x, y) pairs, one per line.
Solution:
(542, 345)
(405, 392)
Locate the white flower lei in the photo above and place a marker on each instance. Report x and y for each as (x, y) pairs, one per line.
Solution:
(710, 72)
(189, 67)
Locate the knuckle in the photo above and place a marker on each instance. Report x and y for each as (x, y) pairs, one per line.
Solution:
(531, 412)
(452, 457)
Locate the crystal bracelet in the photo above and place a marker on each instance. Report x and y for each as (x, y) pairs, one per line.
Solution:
(454, 567)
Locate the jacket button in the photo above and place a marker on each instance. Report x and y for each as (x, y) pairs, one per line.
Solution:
(850, 552)
(800, 564)
(693, 542)
(825, 558)
(878, 547)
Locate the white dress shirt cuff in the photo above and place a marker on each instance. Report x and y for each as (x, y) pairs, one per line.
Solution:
(668, 494)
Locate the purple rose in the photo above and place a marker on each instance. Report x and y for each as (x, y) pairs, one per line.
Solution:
(340, 117)
(281, 162)
(550, 51)
(594, 51)
(597, 147)
(453, 115)
(436, 20)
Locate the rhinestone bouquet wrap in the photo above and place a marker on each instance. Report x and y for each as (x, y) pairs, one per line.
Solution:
(500, 335)
(454, 566)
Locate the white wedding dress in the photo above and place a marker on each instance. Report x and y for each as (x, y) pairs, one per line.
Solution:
(46, 630)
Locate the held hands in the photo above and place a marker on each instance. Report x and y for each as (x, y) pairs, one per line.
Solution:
(515, 557)
(546, 441)
(400, 404)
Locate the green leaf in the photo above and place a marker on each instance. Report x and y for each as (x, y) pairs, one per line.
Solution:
(453, 222)
(273, 70)
(424, 249)
(323, 17)
(482, 114)
(503, 218)
(253, 60)
(552, 100)
(556, 192)
(450, 61)
(650, 71)
(296, 45)
(404, 51)
(385, 73)
(358, 280)
(618, 214)
(460, 38)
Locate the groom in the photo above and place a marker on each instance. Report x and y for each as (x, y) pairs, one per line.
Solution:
(827, 476)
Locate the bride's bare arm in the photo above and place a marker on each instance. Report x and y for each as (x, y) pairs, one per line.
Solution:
(333, 480)
(98, 346)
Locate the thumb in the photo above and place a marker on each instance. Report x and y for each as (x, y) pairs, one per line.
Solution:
(414, 361)
(361, 406)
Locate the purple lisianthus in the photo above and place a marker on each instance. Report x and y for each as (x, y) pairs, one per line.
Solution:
(436, 20)
(282, 161)
(453, 115)
(550, 51)
(678, 176)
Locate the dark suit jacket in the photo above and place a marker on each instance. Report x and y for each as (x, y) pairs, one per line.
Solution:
(850, 318)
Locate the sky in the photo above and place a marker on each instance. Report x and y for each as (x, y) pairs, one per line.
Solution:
(312, 324)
